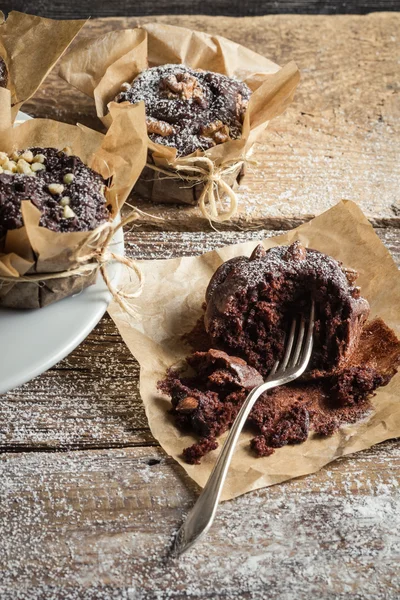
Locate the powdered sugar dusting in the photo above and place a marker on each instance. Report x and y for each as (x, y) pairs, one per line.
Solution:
(80, 526)
(182, 119)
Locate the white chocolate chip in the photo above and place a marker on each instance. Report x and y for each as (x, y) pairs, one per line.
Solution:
(65, 201)
(10, 165)
(23, 167)
(27, 155)
(68, 178)
(68, 213)
(125, 86)
(56, 188)
(39, 158)
(3, 158)
(37, 166)
(1, 170)
(14, 155)
(67, 150)
(8, 172)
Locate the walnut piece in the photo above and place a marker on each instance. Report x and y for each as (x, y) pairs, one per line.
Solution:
(184, 86)
(217, 131)
(355, 292)
(159, 127)
(351, 274)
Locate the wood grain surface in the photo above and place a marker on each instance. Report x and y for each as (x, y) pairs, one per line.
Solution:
(88, 500)
(97, 525)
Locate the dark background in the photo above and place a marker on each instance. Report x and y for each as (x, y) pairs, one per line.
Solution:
(108, 8)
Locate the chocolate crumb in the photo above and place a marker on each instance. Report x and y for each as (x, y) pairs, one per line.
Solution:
(193, 454)
(284, 415)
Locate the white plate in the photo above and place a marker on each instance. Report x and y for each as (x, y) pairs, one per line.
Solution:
(35, 340)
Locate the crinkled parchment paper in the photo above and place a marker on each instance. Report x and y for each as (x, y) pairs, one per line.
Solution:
(30, 46)
(171, 304)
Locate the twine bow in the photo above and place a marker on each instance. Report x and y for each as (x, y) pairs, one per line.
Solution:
(206, 172)
(96, 259)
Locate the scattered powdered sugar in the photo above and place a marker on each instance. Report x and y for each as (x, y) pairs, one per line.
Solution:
(306, 164)
(78, 526)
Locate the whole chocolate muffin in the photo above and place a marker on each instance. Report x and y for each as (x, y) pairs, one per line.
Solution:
(189, 109)
(251, 302)
(3, 74)
(69, 194)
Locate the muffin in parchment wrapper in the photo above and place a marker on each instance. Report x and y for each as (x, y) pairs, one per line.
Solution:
(32, 250)
(30, 46)
(160, 341)
(99, 66)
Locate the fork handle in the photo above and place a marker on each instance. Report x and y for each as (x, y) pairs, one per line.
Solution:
(201, 516)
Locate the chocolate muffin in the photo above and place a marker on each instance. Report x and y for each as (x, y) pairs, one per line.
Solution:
(206, 400)
(250, 303)
(189, 109)
(3, 74)
(69, 194)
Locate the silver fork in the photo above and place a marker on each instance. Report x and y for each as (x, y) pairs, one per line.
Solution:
(297, 354)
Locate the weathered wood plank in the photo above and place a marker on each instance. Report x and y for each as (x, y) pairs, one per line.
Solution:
(98, 524)
(339, 139)
(60, 9)
(91, 399)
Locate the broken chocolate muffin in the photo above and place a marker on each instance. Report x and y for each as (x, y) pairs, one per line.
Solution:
(207, 401)
(69, 194)
(250, 303)
(189, 109)
(3, 74)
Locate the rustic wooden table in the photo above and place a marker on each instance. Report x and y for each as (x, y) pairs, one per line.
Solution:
(88, 499)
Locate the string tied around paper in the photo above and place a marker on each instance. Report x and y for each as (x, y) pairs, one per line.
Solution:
(203, 170)
(96, 259)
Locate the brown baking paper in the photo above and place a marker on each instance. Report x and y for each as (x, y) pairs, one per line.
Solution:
(30, 47)
(171, 304)
(119, 155)
(99, 66)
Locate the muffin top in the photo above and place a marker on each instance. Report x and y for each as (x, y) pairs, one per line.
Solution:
(3, 73)
(69, 194)
(251, 302)
(189, 109)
